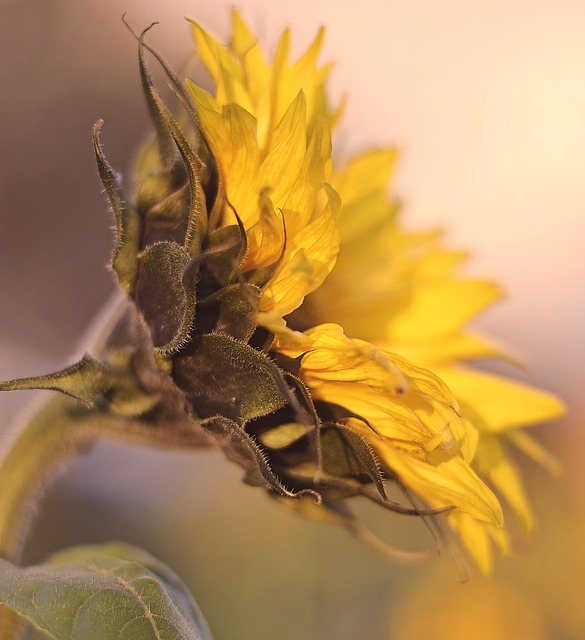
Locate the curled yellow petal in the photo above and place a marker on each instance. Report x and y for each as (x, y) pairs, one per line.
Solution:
(310, 256)
(408, 415)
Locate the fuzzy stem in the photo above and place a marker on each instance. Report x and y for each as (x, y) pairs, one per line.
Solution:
(53, 435)
(60, 430)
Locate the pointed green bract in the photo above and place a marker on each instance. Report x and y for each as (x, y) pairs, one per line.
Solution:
(86, 380)
(166, 147)
(241, 448)
(348, 454)
(128, 227)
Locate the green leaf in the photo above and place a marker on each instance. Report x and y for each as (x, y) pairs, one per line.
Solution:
(109, 592)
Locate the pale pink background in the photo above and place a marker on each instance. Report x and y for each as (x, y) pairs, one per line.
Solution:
(486, 101)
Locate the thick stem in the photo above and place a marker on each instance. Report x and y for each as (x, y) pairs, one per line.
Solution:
(53, 435)
(61, 429)
(57, 432)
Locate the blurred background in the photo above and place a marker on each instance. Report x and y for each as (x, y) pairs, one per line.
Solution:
(487, 104)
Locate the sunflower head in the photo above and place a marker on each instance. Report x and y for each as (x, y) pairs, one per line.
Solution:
(275, 308)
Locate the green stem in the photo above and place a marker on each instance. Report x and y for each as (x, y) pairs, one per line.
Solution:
(60, 430)
(47, 440)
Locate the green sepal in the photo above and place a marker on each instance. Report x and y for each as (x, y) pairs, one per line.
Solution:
(128, 224)
(347, 454)
(155, 187)
(124, 393)
(90, 380)
(105, 592)
(166, 219)
(238, 306)
(166, 147)
(241, 448)
(223, 376)
(170, 137)
(347, 461)
(165, 297)
(226, 248)
(86, 380)
(195, 216)
(332, 487)
(207, 169)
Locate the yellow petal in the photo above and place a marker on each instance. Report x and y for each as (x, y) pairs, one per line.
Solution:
(301, 199)
(231, 135)
(439, 264)
(474, 535)
(242, 162)
(497, 466)
(285, 338)
(448, 349)
(310, 257)
(203, 99)
(434, 309)
(304, 73)
(246, 47)
(283, 435)
(496, 404)
(286, 155)
(208, 49)
(362, 186)
(336, 357)
(232, 89)
(404, 403)
(445, 482)
(265, 237)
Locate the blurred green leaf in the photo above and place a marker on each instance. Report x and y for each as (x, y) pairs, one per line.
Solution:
(103, 592)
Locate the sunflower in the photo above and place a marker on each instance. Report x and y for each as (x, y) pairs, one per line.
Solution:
(276, 308)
